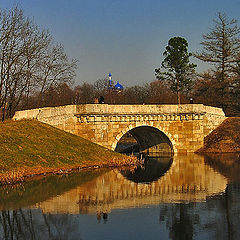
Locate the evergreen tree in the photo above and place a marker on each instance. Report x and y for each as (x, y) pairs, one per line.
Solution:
(222, 46)
(176, 68)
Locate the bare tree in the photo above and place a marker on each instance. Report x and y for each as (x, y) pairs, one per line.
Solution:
(101, 86)
(55, 68)
(30, 61)
(84, 93)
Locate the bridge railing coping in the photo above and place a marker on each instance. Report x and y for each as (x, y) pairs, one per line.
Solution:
(95, 109)
(45, 112)
(147, 109)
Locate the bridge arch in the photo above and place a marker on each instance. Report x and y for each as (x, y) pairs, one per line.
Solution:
(147, 137)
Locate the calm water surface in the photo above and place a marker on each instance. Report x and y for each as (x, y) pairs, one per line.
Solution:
(184, 197)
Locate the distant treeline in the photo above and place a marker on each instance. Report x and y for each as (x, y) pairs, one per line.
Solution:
(206, 90)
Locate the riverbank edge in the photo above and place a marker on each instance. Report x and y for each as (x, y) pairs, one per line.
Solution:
(17, 176)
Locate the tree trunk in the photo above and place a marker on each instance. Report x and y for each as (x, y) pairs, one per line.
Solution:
(178, 97)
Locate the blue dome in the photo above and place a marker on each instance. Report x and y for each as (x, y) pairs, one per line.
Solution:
(118, 86)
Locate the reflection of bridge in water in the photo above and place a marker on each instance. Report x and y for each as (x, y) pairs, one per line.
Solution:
(188, 179)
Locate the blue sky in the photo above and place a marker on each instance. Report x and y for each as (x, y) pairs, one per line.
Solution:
(125, 37)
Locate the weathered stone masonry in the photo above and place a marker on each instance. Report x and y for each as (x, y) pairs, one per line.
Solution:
(185, 125)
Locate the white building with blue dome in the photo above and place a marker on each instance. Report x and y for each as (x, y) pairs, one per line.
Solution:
(117, 87)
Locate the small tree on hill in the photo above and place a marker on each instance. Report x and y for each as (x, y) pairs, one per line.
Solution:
(176, 68)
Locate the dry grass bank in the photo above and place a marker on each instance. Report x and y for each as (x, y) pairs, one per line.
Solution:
(29, 147)
(224, 139)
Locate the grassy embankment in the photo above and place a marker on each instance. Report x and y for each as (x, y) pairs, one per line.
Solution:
(29, 148)
(224, 139)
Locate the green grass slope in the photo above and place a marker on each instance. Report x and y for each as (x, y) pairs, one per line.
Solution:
(31, 147)
(224, 139)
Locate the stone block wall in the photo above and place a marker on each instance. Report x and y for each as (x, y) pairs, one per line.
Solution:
(185, 125)
(62, 117)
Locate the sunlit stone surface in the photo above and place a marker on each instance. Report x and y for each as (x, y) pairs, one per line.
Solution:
(184, 125)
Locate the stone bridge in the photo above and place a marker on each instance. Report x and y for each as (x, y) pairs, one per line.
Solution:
(181, 127)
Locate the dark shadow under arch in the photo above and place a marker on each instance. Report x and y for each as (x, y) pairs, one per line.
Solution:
(147, 139)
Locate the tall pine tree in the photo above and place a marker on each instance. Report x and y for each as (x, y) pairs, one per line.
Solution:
(176, 68)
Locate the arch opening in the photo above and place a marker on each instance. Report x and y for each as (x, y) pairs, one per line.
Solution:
(145, 139)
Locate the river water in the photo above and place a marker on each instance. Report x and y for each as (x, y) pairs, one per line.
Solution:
(180, 197)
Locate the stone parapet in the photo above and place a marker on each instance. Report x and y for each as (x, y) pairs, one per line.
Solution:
(147, 109)
(105, 109)
(62, 117)
(46, 112)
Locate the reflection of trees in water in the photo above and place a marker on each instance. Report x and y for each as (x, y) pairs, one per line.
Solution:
(60, 226)
(17, 224)
(217, 218)
(227, 164)
(32, 224)
(179, 220)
